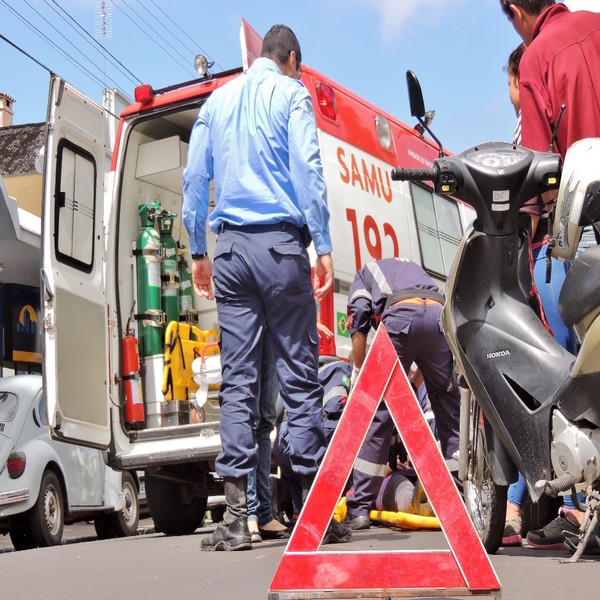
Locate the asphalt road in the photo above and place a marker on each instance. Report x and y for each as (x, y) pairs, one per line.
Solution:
(155, 567)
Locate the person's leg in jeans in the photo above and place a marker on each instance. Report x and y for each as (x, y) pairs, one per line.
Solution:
(260, 509)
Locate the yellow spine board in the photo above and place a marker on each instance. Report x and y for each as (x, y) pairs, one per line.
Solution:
(183, 343)
(396, 519)
(404, 520)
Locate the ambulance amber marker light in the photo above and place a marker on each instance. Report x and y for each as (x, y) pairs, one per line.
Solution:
(144, 93)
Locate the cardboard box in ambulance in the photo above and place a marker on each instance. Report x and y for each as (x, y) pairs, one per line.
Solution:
(110, 273)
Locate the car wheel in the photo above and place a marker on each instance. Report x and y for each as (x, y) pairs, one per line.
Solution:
(47, 517)
(124, 522)
(21, 535)
(173, 506)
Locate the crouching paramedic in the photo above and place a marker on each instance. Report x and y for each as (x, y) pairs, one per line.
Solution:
(400, 294)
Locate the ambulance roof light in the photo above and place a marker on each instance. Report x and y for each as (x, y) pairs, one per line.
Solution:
(143, 93)
(384, 132)
(202, 65)
(326, 100)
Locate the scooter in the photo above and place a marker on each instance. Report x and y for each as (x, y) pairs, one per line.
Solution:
(527, 404)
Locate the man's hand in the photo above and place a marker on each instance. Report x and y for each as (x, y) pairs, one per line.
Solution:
(202, 277)
(323, 331)
(323, 271)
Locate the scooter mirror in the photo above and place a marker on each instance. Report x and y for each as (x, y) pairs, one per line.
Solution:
(415, 95)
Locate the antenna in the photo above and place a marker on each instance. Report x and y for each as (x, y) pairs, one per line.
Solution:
(103, 10)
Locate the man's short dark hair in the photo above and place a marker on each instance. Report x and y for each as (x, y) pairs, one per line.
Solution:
(279, 42)
(531, 7)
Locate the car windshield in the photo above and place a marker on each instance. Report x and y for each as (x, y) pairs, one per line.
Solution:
(8, 406)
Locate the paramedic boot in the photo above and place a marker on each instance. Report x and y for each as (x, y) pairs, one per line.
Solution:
(232, 533)
(336, 533)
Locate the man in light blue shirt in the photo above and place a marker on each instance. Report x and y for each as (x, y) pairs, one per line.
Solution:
(256, 137)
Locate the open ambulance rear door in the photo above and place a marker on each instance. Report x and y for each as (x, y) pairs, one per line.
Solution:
(76, 366)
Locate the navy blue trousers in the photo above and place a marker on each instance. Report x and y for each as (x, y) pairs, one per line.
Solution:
(261, 276)
(416, 334)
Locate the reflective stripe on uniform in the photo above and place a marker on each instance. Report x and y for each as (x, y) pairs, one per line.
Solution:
(379, 278)
(369, 468)
(338, 390)
(361, 293)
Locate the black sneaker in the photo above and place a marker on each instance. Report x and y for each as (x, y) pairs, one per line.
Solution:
(356, 522)
(550, 537)
(337, 533)
(235, 536)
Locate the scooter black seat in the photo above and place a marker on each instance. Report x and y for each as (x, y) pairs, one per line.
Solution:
(580, 293)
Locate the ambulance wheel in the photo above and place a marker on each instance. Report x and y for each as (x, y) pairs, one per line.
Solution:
(122, 523)
(173, 506)
(484, 499)
(47, 517)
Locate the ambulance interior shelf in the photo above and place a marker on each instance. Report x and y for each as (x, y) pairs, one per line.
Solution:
(161, 163)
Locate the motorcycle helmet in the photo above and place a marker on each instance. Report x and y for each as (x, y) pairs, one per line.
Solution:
(576, 196)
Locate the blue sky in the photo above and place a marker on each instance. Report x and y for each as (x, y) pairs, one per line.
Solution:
(458, 49)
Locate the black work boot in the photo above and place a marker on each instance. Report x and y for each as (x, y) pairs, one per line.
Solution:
(232, 533)
(235, 536)
(337, 533)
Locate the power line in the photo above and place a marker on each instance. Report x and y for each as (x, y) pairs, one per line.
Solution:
(117, 63)
(185, 67)
(35, 60)
(186, 35)
(67, 40)
(49, 41)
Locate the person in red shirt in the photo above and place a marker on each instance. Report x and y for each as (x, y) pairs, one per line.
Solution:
(560, 67)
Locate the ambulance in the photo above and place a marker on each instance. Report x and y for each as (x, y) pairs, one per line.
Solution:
(121, 327)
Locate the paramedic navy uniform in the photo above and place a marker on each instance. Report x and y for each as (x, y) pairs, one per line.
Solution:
(413, 324)
(335, 379)
(261, 270)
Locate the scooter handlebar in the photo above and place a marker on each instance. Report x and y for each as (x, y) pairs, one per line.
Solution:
(413, 174)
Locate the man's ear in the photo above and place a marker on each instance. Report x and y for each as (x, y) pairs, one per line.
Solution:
(517, 12)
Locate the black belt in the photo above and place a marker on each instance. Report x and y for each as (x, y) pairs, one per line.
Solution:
(266, 227)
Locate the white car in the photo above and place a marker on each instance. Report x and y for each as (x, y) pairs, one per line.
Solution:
(45, 484)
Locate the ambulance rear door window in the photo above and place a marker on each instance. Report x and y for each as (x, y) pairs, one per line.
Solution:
(75, 206)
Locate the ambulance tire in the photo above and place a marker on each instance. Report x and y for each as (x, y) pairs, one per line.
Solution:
(173, 506)
(47, 516)
(124, 522)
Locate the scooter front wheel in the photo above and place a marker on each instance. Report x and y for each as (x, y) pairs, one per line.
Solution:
(485, 500)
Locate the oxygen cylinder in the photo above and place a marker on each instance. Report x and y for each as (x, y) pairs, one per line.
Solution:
(169, 273)
(148, 259)
(186, 292)
(132, 382)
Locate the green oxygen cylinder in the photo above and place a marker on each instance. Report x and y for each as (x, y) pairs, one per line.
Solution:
(169, 273)
(187, 313)
(148, 260)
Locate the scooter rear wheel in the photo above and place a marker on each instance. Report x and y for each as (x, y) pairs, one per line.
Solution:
(484, 499)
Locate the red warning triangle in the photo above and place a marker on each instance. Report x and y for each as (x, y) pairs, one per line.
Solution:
(464, 569)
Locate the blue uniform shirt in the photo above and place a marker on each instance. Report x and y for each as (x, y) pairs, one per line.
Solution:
(257, 137)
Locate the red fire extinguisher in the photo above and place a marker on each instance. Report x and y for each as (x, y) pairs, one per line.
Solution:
(325, 315)
(132, 382)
